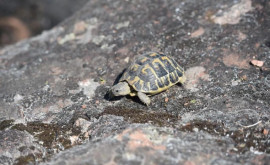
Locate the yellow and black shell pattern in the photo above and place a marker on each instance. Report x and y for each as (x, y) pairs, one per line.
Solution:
(153, 73)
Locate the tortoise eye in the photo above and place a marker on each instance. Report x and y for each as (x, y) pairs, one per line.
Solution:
(116, 91)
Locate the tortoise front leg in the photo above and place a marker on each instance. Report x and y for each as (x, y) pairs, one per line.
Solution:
(144, 98)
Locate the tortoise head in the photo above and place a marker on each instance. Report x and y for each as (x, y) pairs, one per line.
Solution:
(120, 89)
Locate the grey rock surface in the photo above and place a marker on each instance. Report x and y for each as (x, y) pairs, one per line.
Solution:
(54, 107)
(146, 144)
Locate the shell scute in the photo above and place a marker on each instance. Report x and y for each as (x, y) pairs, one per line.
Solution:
(152, 73)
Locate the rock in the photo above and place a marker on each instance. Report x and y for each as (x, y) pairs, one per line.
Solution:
(54, 87)
(257, 63)
(145, 144)
(17, 144)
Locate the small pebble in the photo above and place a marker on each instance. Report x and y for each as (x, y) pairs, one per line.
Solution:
(195, 129)
(126, 59)
(235, 83)
(257, 63)
(166, 99)
(265, 131)
(244, 78)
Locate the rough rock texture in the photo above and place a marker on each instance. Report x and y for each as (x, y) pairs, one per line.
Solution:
(54, 107)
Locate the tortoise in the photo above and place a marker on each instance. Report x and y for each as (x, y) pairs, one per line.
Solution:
(149, 74)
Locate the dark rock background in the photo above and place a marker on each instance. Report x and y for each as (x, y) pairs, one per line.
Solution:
(53, 103)
(22, 19)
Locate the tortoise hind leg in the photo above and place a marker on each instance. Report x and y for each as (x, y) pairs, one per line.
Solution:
(144, 98)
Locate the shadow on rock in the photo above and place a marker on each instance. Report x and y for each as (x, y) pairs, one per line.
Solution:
(110, 97)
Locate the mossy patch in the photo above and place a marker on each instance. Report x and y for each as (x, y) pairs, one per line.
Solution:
(5, 124)
(140, 116)
(245, 139)
(50, 135)
(25, 159)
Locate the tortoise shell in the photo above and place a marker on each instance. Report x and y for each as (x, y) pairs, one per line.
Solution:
(153, 73)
